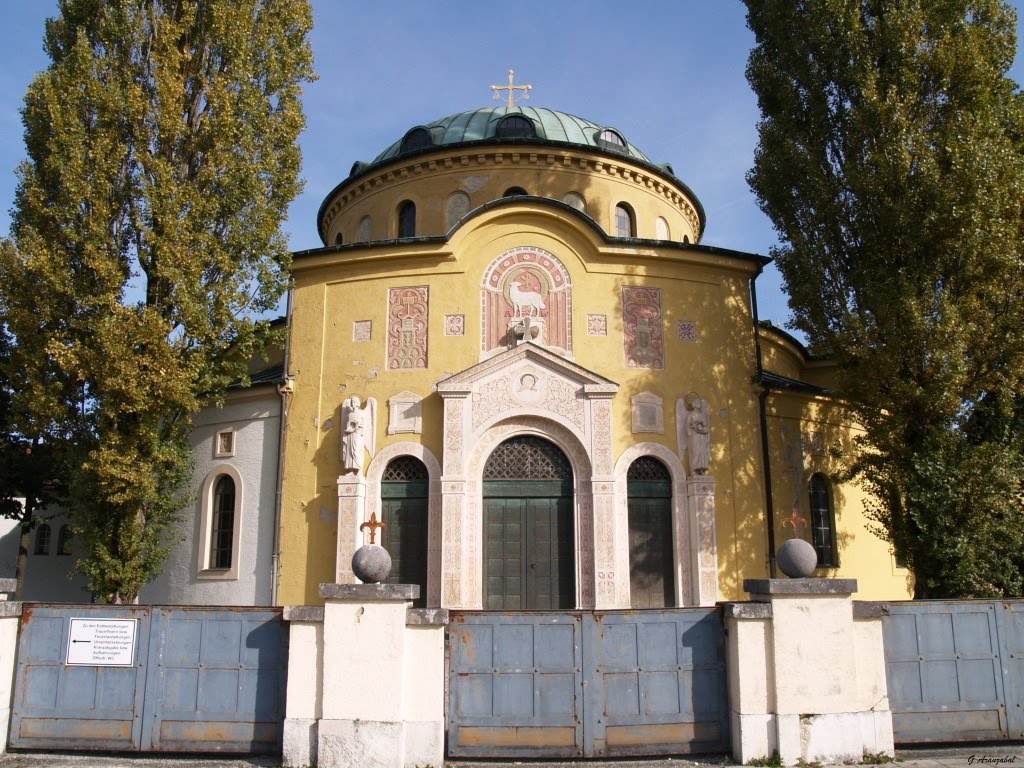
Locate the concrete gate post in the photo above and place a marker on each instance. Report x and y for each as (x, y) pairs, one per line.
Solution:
(806, 671)
(381, 697)
(10, 618)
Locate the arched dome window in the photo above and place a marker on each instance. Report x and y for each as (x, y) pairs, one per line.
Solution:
(516, 127)
(457, 207)
(417, 138)
(625, 221)
(575, 199)
(514, 192)
(365, 231)
(339, 239)
(407, 219)
(609, 139)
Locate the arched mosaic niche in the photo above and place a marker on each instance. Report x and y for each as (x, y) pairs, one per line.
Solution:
(526, 282)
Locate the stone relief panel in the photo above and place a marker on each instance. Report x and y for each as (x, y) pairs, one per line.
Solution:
(648, 413)
(407, 327)
(362, 330)
(597, 325)
(526, 282)
(405, 413)
(687, 330)
(643, 335)
(454, 325)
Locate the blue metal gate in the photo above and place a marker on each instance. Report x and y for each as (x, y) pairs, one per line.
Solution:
(590, 684)
(955, 670)
(194, 679)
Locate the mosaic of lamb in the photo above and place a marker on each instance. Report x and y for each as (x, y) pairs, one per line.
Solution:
(522, 299)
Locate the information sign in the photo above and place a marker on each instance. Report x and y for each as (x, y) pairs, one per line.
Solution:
(102, 642)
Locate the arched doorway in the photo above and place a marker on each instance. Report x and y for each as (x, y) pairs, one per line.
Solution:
(403, 496)
(651, 561)
(528, 527)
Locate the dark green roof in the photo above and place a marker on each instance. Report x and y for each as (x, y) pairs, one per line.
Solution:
(482, 124)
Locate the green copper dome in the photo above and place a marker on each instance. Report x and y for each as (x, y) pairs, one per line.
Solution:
(506, 125)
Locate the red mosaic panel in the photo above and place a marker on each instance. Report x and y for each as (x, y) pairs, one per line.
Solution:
(407, 327)
(643, 334)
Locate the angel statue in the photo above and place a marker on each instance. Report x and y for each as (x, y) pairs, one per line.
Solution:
(359, 429)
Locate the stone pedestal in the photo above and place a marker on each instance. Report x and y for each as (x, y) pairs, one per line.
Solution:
(700, 495)
(380, 670)
(806, 673)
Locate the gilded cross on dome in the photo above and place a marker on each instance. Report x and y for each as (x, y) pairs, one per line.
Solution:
(511, 88)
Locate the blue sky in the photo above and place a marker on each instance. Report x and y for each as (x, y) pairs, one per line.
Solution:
(669, 74)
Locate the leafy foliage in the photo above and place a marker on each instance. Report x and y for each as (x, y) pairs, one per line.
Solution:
(146, 234)
(890, 161)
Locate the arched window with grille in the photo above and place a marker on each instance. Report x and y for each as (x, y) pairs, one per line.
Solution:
(220, 524)
(404, 495)
(407, 219)
(43, 535)
(223, 524)
(651, 555)
(625, 221)
(65, 540)
(516, 127)
(823, 522)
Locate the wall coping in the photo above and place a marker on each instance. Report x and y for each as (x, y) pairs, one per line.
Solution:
(426, 617)
(303, 613)
(800, 586)
(869, 609)
(355, 593)
(746, 610)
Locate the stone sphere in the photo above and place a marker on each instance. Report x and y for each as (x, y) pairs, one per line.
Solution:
(797, 559)
(371, 563)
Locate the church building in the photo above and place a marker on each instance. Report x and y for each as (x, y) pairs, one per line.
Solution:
(515, 351)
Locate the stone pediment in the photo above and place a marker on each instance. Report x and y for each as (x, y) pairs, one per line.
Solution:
(531, 379)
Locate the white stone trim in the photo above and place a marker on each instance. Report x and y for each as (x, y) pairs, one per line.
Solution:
(684, 520)
(203, 570)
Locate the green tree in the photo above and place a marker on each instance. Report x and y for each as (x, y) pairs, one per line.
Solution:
(890, 162)
(31, 474)
(146, 235)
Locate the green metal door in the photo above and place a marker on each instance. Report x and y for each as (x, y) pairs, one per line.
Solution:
(528, 552)
(528, 527)
(651, 561)
(404, 493)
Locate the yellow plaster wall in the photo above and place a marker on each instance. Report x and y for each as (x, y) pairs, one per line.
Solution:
(334, 288)
(485, 176)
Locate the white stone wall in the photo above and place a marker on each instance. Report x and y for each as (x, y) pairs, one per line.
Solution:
(48, 577)
(255, 416)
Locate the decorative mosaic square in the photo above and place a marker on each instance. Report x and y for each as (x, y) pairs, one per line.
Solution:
(407, 327)
(687, 330)
(362, 330)
(643, 334)
(454, 325)
(597, 325)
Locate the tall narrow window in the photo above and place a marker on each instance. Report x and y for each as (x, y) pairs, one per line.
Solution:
(651, 559)
(65, 537)
(407, 219)
(823, 524)
(404, 496)
(43, 539)
(223, 524)
(625, 222)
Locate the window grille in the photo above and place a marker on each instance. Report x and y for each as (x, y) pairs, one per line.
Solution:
(527, 458)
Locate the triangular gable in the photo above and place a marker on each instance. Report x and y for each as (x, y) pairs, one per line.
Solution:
(520, 356)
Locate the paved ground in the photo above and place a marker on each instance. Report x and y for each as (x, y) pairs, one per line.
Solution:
(979, 756)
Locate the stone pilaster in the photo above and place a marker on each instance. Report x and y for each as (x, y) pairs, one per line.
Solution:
(351, 513)
(700, 496)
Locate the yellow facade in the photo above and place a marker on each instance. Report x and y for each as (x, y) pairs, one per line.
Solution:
(372, 302)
